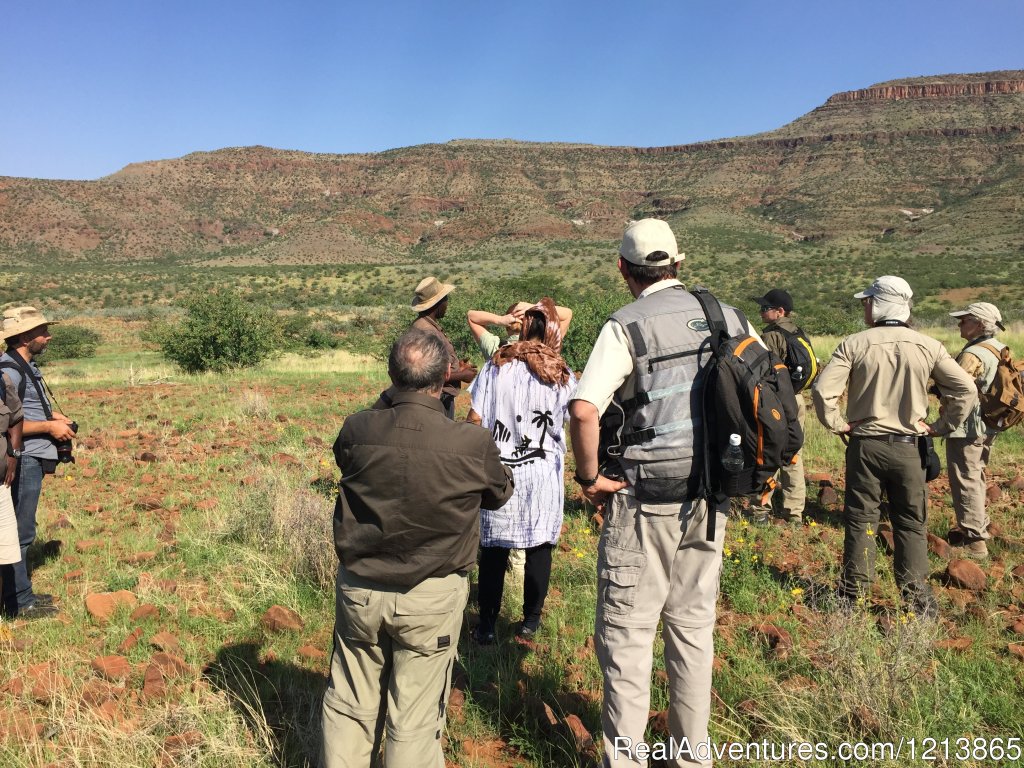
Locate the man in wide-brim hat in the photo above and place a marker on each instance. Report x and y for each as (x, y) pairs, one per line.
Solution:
(26, 331)
(431, 302)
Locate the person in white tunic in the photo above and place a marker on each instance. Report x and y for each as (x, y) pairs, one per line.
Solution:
(522, 396)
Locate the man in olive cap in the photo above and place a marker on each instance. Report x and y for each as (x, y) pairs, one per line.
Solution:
(969, 446)
(885, 371)
(431, 302)
(27, 334)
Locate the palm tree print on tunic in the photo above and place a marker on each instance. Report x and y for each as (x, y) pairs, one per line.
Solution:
(523, 453)
(526, 418)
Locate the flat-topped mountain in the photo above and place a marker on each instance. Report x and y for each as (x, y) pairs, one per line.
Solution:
(933, 162)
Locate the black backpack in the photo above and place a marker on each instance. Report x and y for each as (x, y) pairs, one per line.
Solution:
(747, 392)
(800, 359)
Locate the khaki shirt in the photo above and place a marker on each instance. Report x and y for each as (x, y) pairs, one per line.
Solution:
(10, 412)
(430, 325)
(885, 371)
(610, 364)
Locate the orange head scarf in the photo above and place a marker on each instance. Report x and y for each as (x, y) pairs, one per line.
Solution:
(541, 355)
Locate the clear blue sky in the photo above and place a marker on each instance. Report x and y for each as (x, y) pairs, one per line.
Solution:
(88, 87)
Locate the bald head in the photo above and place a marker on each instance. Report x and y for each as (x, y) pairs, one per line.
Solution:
(418, 362)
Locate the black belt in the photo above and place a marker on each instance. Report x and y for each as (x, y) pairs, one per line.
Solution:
(890, 438)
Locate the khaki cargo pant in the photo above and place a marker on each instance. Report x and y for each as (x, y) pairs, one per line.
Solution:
(391, 670)
(791, 479)
(874, 466)
(654, 563)
(966, 461)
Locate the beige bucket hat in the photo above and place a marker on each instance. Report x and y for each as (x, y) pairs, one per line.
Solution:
(429, 292)
(20, 319)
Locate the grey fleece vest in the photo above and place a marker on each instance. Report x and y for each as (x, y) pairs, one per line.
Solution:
(661, 401)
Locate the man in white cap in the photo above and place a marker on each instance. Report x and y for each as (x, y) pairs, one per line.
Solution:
(431, 302)
(885, 371)
(27, 334)
(654, 561)
(968, 446)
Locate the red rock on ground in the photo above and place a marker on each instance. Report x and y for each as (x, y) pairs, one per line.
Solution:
(19, 727)
(112, 667)
(171, 665)
(281, 619)
(954, 644)
(95, 692)
(966, 575)
(938, 546)
(1017, 650)
(74, 575)
(102, 605)
(779, 641)
(130, 641)
(1017, 627)
(827, 496)
(993, 493)
(150, 503)
(312, 653)
(153, 686)
(1017, 483)
(145, 611)
(165, 641)
(46, 682)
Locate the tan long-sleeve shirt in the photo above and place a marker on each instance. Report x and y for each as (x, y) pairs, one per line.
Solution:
(885, 371)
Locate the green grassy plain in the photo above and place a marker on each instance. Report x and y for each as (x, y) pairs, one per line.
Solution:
(230, 515)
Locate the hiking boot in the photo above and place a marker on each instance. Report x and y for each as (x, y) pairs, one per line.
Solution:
(36, 611)
(976, 550)
(761, 519)
(527, 633)
(956, 537)
(483, 636)
(42, 599)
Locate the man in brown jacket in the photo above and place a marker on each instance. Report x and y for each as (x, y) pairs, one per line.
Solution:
(406, 530)
(431, 302)
(885, 371)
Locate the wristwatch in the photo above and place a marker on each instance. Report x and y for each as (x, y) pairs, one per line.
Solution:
(14, 453)
(584, 483)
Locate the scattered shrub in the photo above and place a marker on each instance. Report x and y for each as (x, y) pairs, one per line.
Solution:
(220, 331)
(70, 342)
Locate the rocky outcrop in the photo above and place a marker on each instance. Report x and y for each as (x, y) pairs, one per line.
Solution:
(881, 137)
(927, 91)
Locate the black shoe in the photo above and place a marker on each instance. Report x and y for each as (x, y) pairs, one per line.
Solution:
(527, 633)
(42, 599)
(36, 611)
(483, 637)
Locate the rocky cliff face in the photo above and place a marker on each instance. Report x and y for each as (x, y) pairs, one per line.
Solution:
(844, 170)
(928, 91)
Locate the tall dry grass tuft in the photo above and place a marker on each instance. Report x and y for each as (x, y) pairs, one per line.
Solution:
(881, 687)
(254, 404)
(276, 515)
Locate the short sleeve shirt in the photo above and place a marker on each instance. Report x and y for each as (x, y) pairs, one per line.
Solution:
(39, 446)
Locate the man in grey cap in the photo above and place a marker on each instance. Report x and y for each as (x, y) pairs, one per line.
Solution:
(885, 371)
(968, 446)
(27, 334)
(654, 561)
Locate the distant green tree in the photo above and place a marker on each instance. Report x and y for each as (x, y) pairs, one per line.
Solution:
(70, 342)
(220, 331)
